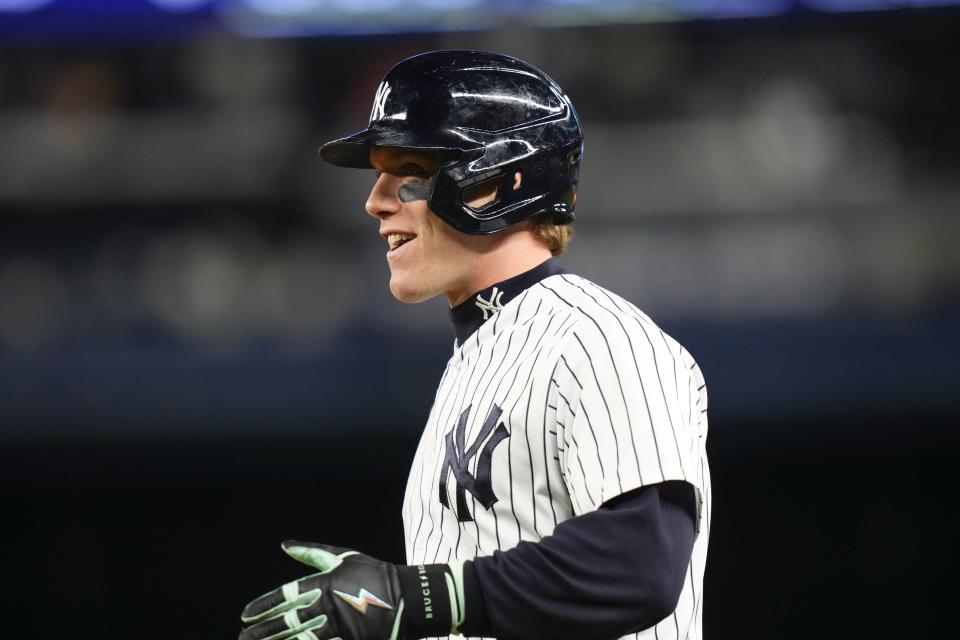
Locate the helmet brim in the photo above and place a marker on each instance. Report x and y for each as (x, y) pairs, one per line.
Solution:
(353, 151)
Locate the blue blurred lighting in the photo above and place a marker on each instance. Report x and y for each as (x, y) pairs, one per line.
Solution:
(17, 6)
(731, 8)
(256, 18)
(364, 6)
(449, 5)
(836, 6)
(284, 7)
(180, 5)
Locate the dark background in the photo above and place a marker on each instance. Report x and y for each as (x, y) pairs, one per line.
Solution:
(199, 357)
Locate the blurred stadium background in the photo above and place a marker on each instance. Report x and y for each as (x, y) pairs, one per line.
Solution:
(199, 356)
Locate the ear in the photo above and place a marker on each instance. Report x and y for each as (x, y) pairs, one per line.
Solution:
(517, 180)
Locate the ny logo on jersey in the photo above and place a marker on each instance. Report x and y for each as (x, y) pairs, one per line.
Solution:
(492, 305)
(458, 457)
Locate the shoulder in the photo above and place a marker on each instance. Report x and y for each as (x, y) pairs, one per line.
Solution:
(597, 309)
(609, 327)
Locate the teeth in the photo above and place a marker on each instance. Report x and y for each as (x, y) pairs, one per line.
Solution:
(397, 239)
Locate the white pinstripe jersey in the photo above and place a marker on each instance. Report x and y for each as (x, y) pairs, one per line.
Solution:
(566, 397)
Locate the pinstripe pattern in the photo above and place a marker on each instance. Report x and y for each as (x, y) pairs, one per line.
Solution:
(597, 401)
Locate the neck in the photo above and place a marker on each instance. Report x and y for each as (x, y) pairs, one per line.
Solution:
(472, 313)
(517, 253)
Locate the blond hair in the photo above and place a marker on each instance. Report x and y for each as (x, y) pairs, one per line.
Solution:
(555, 236)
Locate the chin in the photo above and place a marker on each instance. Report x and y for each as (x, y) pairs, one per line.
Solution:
(407, 292)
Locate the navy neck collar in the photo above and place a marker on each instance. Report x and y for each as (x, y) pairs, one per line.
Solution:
(483, 305)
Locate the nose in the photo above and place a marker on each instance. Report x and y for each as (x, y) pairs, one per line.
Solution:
(383, 199)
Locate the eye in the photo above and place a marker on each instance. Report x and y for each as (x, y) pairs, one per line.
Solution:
(415, 170)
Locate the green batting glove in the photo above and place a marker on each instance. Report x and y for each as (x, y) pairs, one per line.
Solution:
(355, 597)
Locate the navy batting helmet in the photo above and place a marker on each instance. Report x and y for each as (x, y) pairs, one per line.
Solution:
(501, 114)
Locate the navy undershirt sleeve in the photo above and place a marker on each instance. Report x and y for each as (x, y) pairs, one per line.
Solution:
(603, 574)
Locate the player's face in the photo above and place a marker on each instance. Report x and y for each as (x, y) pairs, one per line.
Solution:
(427, 257)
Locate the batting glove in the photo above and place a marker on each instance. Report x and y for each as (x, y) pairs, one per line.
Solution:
(355, 597)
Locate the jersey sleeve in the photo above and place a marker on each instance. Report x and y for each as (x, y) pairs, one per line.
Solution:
(610, 572)
(630, 413)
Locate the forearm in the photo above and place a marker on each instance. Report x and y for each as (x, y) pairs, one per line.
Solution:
(603, 574)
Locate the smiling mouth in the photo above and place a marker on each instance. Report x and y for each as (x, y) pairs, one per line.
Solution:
(396, 240)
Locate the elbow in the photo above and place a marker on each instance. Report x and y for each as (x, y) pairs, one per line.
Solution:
(660, 599)
(664, 603)
(655, 608)
(671, 587)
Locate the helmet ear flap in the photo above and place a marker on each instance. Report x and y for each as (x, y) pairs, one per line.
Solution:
(573, 165)
(514, 185)
(481, 195)
(508, 189)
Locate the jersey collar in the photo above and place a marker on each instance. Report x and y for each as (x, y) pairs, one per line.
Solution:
(483, 305)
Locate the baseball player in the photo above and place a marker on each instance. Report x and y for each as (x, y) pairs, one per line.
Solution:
(561, 486)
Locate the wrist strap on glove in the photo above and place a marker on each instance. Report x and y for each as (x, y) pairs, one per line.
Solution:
(433, 594)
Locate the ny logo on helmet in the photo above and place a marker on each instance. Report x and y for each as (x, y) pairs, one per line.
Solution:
(458, 458)
(380, 102)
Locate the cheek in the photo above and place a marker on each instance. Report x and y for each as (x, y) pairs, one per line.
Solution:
(431, 229)
(450, 245)
(443, 250)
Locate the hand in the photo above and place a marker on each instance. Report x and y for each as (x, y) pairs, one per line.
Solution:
(353, 596)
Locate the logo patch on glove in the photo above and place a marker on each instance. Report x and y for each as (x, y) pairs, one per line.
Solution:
(362, 600)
